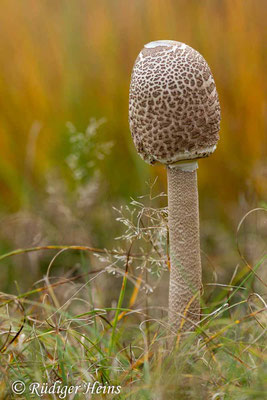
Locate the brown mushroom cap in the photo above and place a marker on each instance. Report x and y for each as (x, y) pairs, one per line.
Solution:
(174, 111)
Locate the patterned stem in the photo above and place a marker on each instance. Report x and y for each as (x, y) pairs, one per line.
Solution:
(185, 275)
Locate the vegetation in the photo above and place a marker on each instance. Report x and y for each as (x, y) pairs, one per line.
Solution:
(84, 259)
(59, 333)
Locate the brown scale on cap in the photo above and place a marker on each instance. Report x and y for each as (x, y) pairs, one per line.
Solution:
(174, 111)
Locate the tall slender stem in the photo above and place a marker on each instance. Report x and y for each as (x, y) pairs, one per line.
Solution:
(185, 275)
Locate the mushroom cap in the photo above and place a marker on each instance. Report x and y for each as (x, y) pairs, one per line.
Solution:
(174, 110)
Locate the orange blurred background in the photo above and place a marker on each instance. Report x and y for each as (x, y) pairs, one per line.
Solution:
(71, 60)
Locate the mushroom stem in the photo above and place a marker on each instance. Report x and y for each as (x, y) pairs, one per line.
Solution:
(185, 275)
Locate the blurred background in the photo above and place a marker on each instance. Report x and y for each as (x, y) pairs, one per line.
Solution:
(65, 66)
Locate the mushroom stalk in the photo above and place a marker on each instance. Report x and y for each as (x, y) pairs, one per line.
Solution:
(185, 275)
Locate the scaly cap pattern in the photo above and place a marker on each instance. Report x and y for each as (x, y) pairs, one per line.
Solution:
(174, 111)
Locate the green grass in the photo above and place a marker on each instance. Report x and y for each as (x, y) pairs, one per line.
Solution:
(56, 333)
(99, 317)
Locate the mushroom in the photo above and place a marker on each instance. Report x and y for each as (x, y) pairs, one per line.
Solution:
(174, 117)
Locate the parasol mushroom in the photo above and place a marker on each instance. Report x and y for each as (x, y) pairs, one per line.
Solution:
(174, 117)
